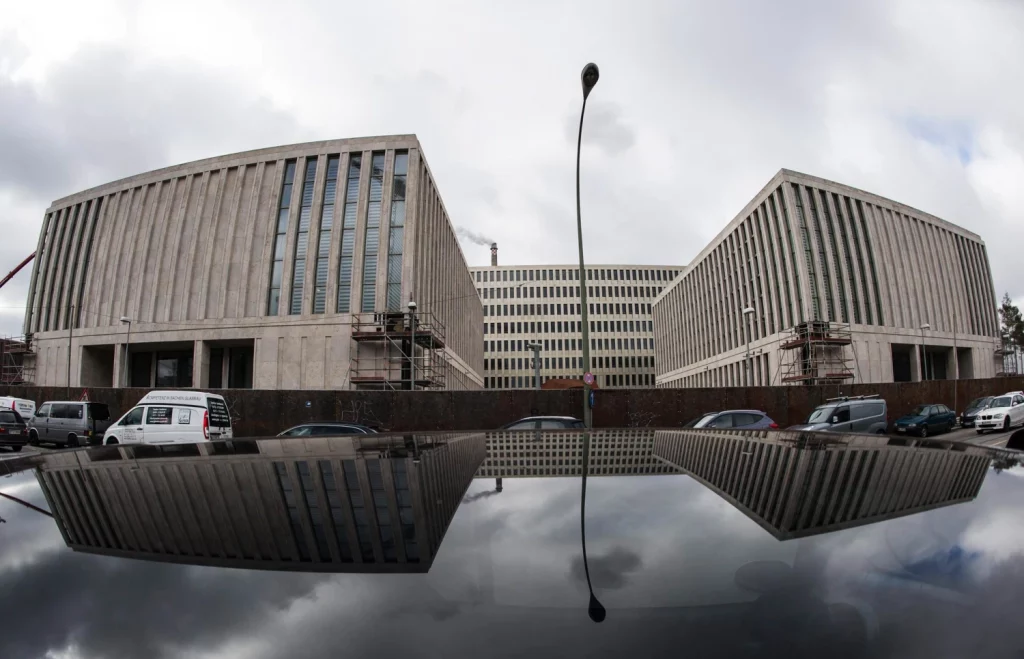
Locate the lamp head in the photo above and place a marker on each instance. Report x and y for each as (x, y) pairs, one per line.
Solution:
(589, 77)
(125, 319)
(411, 305)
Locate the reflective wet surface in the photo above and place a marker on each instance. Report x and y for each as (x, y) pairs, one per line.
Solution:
(710, 543)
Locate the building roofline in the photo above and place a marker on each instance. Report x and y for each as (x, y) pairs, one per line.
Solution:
(239, 158)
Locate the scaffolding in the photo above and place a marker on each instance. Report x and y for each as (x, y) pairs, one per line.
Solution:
(13, 366)
(389, 354)
(815, 353)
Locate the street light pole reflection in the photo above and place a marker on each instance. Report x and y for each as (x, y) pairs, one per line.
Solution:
(595, 609)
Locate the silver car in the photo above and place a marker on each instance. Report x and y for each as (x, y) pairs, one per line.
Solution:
(863, 414)
(68, 423)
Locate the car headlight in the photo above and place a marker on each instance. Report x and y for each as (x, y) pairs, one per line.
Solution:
(997, 415)
(911, 425)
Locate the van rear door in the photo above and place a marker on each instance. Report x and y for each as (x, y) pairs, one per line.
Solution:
(220, 418)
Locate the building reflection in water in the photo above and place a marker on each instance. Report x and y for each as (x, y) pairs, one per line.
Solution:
(377, 504)
(801, 484)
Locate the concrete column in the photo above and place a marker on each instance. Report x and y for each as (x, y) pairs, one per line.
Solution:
(118, 365)
(915, 364)
(201, 365)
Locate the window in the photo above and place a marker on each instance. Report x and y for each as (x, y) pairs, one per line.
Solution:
(133, 418)
(348, 234)
(371, 245)
(324, 241)
(159, 416)
(302, 238)
(396, 231)
(277, 265)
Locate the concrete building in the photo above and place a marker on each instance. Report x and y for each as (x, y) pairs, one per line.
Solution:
(335, 504)
(795, 487)
(524, 304)
(843, 286)
(281, 268)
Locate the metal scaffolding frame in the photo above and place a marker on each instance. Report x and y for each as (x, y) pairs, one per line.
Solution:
(13, 350)
(815, 353)
(386, 352)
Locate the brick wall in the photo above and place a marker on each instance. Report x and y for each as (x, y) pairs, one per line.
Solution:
(265, 412)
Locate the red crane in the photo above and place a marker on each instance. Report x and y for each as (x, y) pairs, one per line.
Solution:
(10, 275)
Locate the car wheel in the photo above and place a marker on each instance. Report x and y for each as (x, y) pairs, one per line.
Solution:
(111, 441)
(33, 438)
(924, 431)
(979, 431)
(73, 440)
(16, 449)
(1006, 423)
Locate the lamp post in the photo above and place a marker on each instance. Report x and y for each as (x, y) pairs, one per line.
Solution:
(924, 353)
(588, 78)
(749, 311)
(412, 345)
(595, 609)
(127, 342)
(535, 347)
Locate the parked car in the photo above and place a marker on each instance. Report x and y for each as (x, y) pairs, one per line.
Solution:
(864, 414)
(926, 420)
(973, 409)
(12, 430)
(173, 417)
(68, 423)
(22, 406)
(1002, 413)
(739, 419)
(326, 428)
(544, 423)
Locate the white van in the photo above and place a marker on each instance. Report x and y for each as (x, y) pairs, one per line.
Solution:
(172, 417)
(26, 408)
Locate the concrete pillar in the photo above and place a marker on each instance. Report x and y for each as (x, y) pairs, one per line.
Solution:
(201, 365)
(119, 365)
(915, 364)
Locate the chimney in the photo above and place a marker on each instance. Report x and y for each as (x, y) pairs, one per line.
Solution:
(494, 255)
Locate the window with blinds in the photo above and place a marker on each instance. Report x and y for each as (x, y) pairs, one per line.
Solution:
(323, 249)
(396, 231)
(371, 246)
(277, 265)
(348, 234)
(302, 238)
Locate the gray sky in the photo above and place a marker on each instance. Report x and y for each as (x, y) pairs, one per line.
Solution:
(699, 104)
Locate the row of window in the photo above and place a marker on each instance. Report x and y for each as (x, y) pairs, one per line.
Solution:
(569, 471)
(730, 375)
(567, 327)
(606, 381)
(513, 292)
(371, 237)
(570, 274)
(599, 362)
(596, 309)
(519, 345)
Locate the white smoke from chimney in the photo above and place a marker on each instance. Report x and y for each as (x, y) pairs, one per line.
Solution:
(473, 237)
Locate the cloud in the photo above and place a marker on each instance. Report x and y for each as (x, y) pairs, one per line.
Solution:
(608, 571)
(603, 126)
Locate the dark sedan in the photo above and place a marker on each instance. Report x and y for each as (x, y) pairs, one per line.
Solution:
(12, 430)
(326, 428)
(658, 543)
(972, 410)
(926, 420)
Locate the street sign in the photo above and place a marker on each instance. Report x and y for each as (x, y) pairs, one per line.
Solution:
(588, 378)
(85, 396)
(591, 399)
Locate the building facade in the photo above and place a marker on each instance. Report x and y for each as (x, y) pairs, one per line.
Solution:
(281, 268)
(828, 284)
(524, 304)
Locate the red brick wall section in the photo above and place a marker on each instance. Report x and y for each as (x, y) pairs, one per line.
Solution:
(265, 413)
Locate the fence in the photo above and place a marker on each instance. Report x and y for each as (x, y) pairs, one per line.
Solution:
(265, 412)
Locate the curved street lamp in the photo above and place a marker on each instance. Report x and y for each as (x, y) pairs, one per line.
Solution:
(588, 78)
(595, 609)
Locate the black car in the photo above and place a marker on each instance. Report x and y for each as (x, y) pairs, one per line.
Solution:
(544, 423)
(972, 410)
(627, 541)
(13, 433)
(327, 428)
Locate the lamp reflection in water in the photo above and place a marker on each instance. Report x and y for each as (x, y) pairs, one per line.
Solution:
(595, 609)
